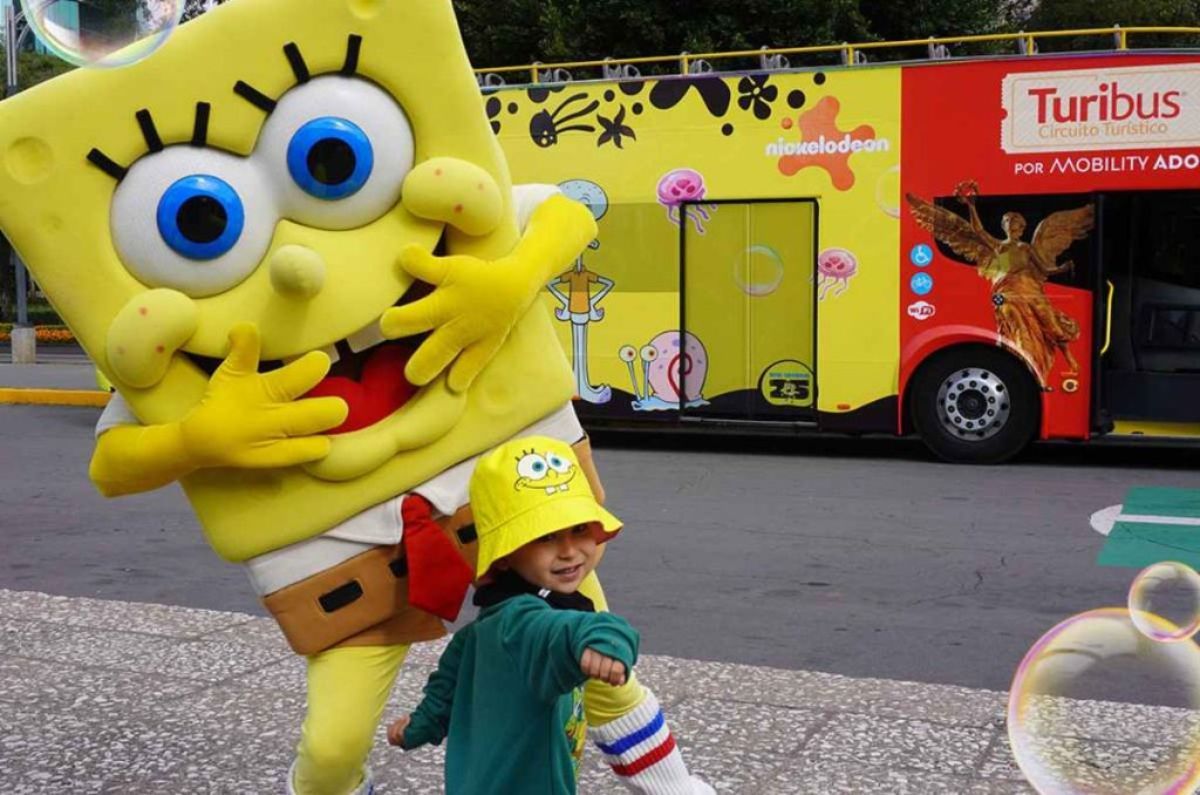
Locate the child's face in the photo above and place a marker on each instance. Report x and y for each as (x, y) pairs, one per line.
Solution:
(558, 561)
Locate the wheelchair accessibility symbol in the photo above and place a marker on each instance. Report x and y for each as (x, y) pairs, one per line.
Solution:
(921, 255)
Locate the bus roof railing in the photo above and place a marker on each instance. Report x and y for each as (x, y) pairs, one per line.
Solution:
(779, 57)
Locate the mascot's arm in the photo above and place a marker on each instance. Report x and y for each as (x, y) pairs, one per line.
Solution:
(246, 419)
(476, 303)
(130, 459)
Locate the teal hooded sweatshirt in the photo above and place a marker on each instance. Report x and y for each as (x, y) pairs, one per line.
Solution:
(502, 692)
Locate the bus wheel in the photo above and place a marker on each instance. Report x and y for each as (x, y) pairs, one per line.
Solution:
(975, 405)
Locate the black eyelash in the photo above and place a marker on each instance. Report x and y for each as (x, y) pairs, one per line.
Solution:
(204, 110)
(149, 132)
(299, 67)
(200, 129)
(107, 165)
(353, 46)
(255, 97)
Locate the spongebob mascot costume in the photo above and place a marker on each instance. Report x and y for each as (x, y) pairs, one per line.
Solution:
(241, 231)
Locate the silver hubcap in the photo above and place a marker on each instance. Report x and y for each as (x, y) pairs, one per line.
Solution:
(973, 404)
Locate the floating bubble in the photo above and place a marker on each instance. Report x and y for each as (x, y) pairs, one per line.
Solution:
(1097, 707)
(887, 192)
(759, 271)
(1169, 590)
(103, 33)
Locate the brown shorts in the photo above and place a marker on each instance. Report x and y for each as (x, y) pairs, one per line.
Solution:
(363, 601)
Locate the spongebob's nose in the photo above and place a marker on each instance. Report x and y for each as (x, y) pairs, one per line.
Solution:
(297, 271)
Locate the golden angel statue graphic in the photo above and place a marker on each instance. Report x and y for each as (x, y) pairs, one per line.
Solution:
(1017, 270)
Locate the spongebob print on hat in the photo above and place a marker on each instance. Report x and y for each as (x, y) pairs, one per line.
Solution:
(546, 471)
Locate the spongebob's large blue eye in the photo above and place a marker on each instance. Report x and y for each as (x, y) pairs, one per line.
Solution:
(330, 158)
(200, 217)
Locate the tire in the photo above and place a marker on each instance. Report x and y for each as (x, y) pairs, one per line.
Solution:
(975, 405)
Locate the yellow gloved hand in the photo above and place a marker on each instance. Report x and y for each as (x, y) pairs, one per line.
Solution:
(246, 419)
(476, 303)
(253, 420)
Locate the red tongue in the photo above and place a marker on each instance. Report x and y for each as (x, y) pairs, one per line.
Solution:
(381, 391)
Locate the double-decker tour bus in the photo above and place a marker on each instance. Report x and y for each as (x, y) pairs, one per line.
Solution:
(982, 251)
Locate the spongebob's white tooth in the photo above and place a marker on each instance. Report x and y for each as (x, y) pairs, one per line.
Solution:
(364, 338)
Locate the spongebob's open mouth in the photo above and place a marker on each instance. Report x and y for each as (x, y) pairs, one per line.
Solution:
(367, 371)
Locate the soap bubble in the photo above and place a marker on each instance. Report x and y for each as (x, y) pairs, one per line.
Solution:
(104, 33)
(887, 192)
(1169, 590)
(1097, 707)
(759, 271)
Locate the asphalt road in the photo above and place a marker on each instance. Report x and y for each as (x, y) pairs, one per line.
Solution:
(54, 354)
(857, 557)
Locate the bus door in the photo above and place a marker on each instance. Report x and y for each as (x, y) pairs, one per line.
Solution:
(1149, 314)
(748, 311)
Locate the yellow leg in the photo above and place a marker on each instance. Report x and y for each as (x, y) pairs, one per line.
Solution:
(603, 702)
(347, 691)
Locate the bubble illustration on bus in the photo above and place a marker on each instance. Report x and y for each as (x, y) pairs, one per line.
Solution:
(685, 185)
(835, 268)
(671, 374)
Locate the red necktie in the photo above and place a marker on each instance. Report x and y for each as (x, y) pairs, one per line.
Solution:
(438, 577)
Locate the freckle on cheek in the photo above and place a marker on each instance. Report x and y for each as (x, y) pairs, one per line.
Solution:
(143, 311)
(160, 349)
(458, 208)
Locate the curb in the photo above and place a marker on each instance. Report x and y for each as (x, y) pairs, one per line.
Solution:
(53, 397)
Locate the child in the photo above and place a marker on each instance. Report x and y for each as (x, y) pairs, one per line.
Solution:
(508, 688)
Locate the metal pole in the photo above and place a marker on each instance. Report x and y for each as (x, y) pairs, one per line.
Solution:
(10, 88)
(10, 50)
(12, 44)
(22, 291)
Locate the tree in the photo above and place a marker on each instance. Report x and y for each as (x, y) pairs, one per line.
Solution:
(1069, 14)
(498, 34)
(33, 68)
(522, 31)
(919, 19)
(194, 8)
(1065, 14)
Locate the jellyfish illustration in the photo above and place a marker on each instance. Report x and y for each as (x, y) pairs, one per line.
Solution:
(835, 268)
(685, 185)
(670, 376)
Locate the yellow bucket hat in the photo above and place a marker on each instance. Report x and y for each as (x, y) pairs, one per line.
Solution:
(528, 488)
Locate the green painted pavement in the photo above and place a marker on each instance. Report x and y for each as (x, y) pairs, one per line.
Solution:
(1156, 524)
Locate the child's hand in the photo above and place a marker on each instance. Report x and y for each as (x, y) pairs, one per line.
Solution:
(396, 731)
(597, 666)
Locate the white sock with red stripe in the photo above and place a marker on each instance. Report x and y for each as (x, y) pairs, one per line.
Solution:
(641, 750)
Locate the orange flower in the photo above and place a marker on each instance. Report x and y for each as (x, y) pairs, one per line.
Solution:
(54, 335)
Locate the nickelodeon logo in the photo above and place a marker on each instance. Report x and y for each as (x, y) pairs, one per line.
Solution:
(1144, 107)
(827, 146)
